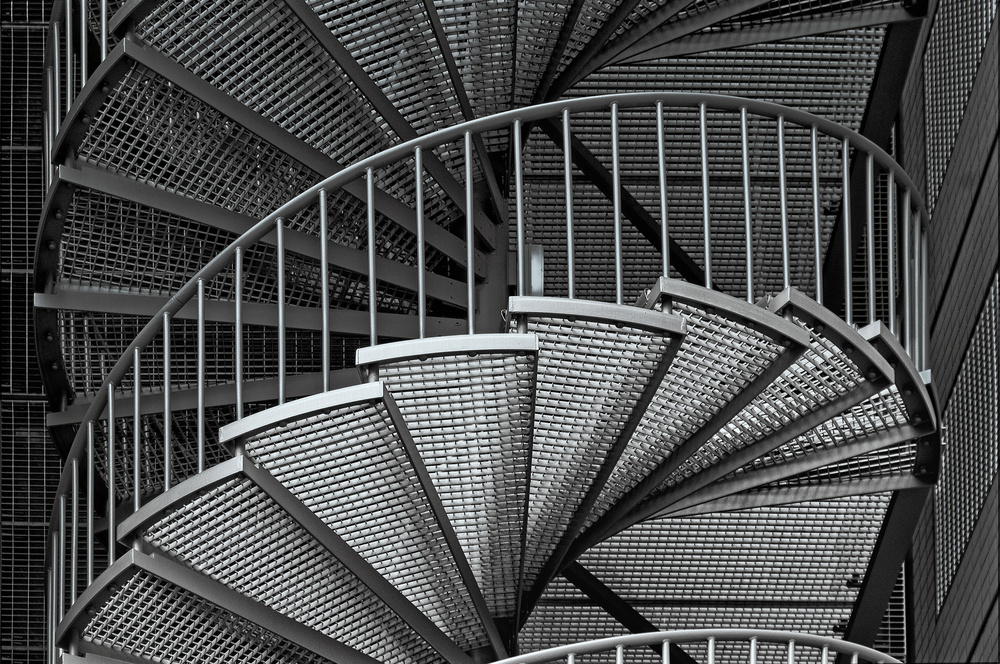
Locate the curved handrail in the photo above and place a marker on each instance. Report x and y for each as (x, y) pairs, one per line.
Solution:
(364, 169)
(751, 636)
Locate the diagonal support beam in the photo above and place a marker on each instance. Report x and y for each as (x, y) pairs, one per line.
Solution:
(399, 124)
(492, 184)
(633, 210)
(792, 29)
(356, 260)
(619, 609)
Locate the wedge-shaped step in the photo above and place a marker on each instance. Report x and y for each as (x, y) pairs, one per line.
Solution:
(149, 608)
(597, 367)
(467, 401)
(837, 369)
(288, 560)
(348, 457)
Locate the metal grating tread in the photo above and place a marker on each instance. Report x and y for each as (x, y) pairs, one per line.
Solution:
(152, 619)
(347, 463)
(591, 373)
(283, 567)
(470, 414)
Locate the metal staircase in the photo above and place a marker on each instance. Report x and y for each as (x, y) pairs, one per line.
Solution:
(283, 422)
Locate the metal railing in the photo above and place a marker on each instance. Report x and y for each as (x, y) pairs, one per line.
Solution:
(75, 513)
(714, 646)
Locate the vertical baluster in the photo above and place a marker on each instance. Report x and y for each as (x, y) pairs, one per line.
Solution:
(324, 287)
(753, 650)
(704, 194)
(665, 652)
(571, 658)
(112, 488)
(661, 158)
(61, 544)
(854, 658)
(238, 330)
(907, 274)
(372, 301)
(83, 43)
(519, 200)
(56, 71)
(136, 430)
(619, 654)
(74, 537)
(791, 651)
(50, 607)
(201, 375)
(846, 206)
(470, 238)
(825, 659)
(817, 248)
(748, 222)
(104, 30)
(617, 204)
(923, 299)
(870, 237)
(68, 62)
(783, 189)
(891, 249)
(282, 338)
(568, 184)
(711, 650)
(90, 503)
(167, 420)
(418, 159)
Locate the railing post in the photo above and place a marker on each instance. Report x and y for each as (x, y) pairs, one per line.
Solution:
(324, 287)
(83, 43)
(470, 238)
(891, 249)
(238, 329)
(56, 71)
(907, 243)
(104, 30)
(201, 375)
(112, 489)
(68, 62)
(846, 207)
(519, 201)
(74, 557)
(665, 652)
(90, 503)
(136, 430)
(817, 248)
(616, 200)
(783, 193)
(282, 338)
(791, 651)
(744, 140)
(61, 556)
(166, 402)
(661, 159)
(870, 239)
(568, 184)
(418, 159)
(704, 193)
(711, 650)
(925, 337)
(372, 300)
(753, 650)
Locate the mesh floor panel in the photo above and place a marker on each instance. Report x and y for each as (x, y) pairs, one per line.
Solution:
(350, 468)
(590, 376)
(155, 620)
(470, 417)
(281, 566)
(717, 359)
(820, 375)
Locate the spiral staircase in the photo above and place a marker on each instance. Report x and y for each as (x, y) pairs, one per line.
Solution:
(362, 352)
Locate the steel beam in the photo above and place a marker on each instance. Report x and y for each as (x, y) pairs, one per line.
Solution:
(356, 260)
(559, 48)
(399, 124)
(805, 493)
(342, 321)
(619, 609)
(216, 396)
(444, 524)
(792, 29)
(633, 210)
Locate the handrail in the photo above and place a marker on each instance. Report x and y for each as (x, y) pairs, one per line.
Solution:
(752, 637)
(516, 119)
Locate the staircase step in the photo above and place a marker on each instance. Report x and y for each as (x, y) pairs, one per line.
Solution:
(595, 362)
(348, 457)
(283, 551)
(467, 402)
(149, 608)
